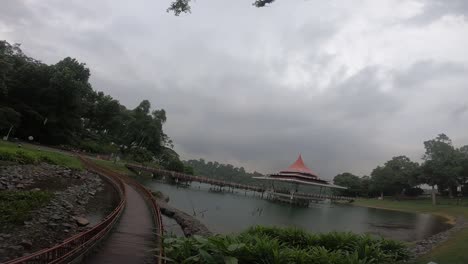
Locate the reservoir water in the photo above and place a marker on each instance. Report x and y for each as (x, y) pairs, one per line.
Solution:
(227, 213)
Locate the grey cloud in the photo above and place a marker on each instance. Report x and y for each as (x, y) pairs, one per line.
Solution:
(428, 70)
(220, 75)
(435, 9)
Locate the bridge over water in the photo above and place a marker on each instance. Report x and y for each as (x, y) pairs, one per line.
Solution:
(233, 185)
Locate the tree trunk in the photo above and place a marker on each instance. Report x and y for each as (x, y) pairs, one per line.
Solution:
(450, 192)
(433, 196)
(381, 195)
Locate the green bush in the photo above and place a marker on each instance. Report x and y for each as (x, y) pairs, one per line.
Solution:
(285, 245)
(16, 206)
(98, 147)
(139, 155)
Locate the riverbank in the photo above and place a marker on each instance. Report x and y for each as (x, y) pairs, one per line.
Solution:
(452, 248)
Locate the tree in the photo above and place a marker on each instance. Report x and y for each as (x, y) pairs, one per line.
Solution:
(396, 176)
(352, 182)
(463, 177)
(221, 171)
(183, 6)
(441, 165)
(56, 104)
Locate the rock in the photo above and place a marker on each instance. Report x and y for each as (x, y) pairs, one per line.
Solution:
(81, 221)
(16, 248)
(68, 226)
(20, 186)
(26, 244)
(56, 217)
(91, 193)
(35, 189)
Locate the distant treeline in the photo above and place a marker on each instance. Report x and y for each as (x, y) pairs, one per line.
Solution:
(444, 167)
(56, 104)
(221, 171)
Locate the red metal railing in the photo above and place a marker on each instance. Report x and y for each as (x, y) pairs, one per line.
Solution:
(79, 243)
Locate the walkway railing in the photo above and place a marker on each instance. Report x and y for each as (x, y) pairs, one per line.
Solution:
(76, 245)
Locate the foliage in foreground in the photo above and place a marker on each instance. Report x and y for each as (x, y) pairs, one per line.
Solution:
(16, 206)
(264, 245)
(10, 152)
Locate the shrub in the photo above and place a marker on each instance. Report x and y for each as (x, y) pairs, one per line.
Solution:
(285, 245)
(98, 147)
(140, 155)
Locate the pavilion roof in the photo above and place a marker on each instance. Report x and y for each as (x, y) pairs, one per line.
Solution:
(300, 167)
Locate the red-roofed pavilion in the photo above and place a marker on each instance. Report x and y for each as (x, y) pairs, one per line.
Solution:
(298, 174)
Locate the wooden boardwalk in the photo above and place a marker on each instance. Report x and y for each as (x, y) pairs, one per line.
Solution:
(255, 188)
(132, 240)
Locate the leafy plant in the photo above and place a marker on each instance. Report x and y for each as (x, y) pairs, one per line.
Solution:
(269, 245)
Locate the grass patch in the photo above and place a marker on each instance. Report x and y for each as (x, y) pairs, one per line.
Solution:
(32, 155)
(452, 251)
(118, 167)
(285, 245)
(16, 206)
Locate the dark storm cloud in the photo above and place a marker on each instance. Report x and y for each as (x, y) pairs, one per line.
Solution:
(255, 87)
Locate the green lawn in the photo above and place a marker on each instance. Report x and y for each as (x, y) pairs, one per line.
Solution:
(452, 251)
(118, 167)
(30, 154)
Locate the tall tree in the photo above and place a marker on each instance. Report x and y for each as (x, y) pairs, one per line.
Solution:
(441, 165)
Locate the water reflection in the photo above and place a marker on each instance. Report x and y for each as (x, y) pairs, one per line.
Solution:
(227, 213)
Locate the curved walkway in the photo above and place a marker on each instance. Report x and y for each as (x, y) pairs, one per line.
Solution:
(132, 239)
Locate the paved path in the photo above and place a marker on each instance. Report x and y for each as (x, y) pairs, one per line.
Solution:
(132, 239)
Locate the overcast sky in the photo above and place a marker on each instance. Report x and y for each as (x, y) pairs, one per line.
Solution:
(348, 84)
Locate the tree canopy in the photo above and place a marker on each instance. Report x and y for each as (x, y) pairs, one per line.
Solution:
(221, 171)
(56, 104)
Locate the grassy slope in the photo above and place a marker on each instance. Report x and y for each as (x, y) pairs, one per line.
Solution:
(117, 167)
(38, 154)
(454, 250)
